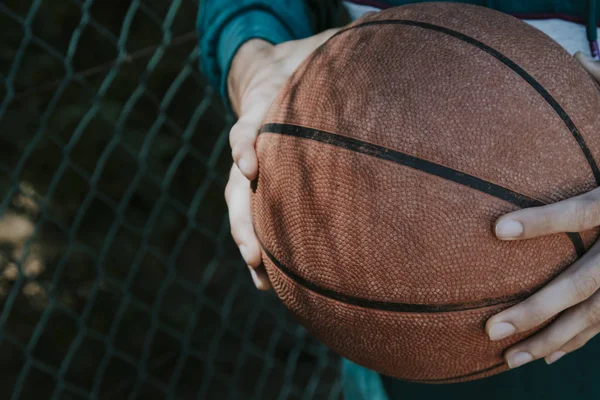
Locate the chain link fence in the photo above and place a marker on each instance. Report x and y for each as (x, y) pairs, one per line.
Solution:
(118, 277)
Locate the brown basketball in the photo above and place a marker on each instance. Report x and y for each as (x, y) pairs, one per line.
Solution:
(385, 162)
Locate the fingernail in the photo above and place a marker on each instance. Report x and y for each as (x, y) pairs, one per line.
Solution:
(554, 357)
(509, 229)
(501, 330)
(244, 252)
(242, 165)
(518, 359)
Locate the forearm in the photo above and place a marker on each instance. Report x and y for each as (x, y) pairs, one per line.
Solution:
(225, 25)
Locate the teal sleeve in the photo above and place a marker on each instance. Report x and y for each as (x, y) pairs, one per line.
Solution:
(224, 25)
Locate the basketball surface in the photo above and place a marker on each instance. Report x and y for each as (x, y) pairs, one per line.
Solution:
(384, 164)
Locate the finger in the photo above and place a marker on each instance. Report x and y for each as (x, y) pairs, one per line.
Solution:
(242, 138)
(237, 196)
(592, 66)
(296, 51)
(573, 215)
(575, 285)
(576, 343)
(260, 278)
(326, 35)
(551, 339)
(243, 134)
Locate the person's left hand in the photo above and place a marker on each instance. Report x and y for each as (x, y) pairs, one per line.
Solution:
(575, 293)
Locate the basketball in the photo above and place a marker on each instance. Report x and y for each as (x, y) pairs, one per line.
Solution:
(384, 164)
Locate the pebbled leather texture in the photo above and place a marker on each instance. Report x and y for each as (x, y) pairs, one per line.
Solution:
(370, 229)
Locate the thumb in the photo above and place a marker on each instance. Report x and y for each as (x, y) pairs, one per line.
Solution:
(295, 51)
(591, 66)
(242, 136)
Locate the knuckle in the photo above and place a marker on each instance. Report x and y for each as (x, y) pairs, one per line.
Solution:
(234, 134)
(545, 345)
(547, 221)
(576, 212)
(593, 312)
(584, 285)
(586, 211)
(236, 152)
(534, 315)
(254, 259)
(235, 233)
(227, 192)
(578, 342)
(229, 189)
(239, 146)
(238, 133)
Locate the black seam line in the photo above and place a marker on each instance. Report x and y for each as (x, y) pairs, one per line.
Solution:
(420, 164)
(577, 243)
(483, 371)
(386, 305)
(510, 64)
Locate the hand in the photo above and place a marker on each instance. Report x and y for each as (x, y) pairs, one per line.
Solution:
(258, 72)
(575, 293)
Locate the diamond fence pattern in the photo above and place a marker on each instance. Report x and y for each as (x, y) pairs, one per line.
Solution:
(118, 277)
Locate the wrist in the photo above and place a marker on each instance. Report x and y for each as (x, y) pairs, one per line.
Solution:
(243, 68)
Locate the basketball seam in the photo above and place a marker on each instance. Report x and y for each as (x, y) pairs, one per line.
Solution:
(562, 114)
(417, 163)
(455, 378)
(379, 152)
(273, 125)
(441, 380)
(386, 305)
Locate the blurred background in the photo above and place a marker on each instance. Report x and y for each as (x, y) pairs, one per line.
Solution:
(118, 276)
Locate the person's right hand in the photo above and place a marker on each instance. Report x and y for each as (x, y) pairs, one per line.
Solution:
(258, 72)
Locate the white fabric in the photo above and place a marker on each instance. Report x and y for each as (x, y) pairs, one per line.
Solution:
(357, 10)
(570, 35)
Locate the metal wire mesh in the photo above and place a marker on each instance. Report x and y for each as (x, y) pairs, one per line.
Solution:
(118, 278)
